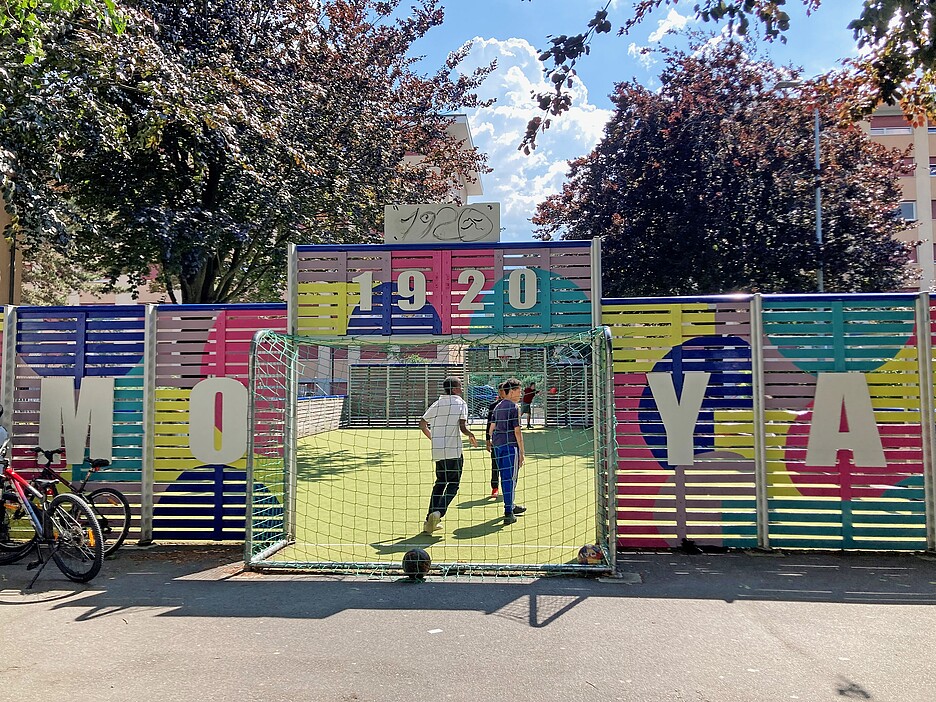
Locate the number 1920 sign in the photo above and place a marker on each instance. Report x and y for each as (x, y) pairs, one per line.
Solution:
(442, 289)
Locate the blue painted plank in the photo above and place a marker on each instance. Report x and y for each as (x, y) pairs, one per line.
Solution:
(37, 325)
(122, 361)
(915, 520)
(831, 517)
(63, 336)
(563, 318)
(24, 349)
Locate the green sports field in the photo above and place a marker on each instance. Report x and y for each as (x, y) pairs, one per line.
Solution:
(363, 494)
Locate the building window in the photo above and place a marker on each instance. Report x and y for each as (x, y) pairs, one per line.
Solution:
(933, 169)
(888, 131)
(908, 211)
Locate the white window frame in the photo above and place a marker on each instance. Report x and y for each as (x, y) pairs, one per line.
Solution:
(890, 131)
(913, 205)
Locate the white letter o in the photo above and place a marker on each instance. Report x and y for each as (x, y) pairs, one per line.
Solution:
(202, 421)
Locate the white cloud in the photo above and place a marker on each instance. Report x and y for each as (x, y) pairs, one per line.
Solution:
(673, 22)
(643, 55)
(517, 181)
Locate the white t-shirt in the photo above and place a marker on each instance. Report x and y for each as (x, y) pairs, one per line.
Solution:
(443, 416)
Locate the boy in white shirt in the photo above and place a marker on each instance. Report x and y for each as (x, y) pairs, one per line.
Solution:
(443, 424)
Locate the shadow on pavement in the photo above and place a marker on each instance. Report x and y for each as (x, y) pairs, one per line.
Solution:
(209, 582)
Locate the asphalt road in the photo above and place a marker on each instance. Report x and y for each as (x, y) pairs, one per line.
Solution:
(186, 624)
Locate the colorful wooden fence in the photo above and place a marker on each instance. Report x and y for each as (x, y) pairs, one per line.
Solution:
(442, 289)
(785, 421)
(172, 382)
(202, 355)
(707, 491)
(98, 352)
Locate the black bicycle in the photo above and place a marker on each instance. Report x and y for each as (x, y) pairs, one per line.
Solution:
(110, 506)
(34, 517)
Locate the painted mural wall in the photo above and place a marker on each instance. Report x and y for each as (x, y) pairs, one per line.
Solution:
(793, 421)
(789, 421)
(161, 393)
(454, 289)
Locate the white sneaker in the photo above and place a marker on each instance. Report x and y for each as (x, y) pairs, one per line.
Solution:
(432, 522)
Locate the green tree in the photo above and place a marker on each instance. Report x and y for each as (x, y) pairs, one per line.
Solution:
(706, 186)
(26, 21)
(210, 135)
(896, 38)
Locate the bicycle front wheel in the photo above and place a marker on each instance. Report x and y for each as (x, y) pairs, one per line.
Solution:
(113, 513)
(17, 534)
(77, 542)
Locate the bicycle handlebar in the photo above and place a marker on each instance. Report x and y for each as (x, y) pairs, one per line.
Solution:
(49, 455)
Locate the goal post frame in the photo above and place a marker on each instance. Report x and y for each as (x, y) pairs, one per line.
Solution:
(599, 402)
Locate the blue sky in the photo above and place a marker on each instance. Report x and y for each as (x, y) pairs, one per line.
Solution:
(512, 31)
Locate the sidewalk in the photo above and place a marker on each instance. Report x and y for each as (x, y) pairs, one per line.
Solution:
(186, 623)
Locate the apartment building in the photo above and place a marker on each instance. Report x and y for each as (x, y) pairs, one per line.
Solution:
(889, 126)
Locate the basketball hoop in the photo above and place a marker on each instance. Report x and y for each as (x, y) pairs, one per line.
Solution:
(504, 354)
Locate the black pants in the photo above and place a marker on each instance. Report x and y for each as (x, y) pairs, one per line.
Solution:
(448, 476)
(495, 472)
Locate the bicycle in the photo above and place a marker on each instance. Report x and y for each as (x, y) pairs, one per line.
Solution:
(109, 504)
(65, 524)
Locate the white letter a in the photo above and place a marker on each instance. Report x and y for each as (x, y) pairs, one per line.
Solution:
(833, 392)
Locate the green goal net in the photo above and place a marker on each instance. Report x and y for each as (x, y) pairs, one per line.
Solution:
(340, 474)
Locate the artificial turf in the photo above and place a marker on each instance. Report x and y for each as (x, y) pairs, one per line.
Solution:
(362, 497)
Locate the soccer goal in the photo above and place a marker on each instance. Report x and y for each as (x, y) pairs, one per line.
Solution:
(339, 473)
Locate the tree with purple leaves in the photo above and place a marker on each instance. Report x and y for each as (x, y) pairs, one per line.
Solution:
(896, 62)
(706, 186)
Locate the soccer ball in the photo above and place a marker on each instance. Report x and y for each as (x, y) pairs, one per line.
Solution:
(416, 563)
(590, 554)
